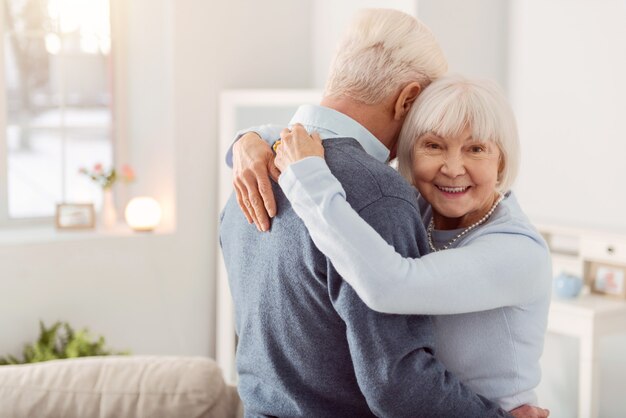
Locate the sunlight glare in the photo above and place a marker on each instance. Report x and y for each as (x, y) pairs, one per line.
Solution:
(53, 43)
(89, 18)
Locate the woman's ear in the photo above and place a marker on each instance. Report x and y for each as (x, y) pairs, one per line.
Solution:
(500, 167)
(405, 100)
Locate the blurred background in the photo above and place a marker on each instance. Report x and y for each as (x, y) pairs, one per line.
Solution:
(112, 82)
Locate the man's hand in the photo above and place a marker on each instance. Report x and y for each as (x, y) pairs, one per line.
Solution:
(253, 164)
(529, 411)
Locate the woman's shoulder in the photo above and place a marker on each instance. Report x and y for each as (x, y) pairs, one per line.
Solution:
(509, 218)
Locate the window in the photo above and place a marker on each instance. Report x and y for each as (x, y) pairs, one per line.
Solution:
(56, 79)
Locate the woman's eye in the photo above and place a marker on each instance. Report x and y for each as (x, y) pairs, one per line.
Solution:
(432, 145)
(477, 149)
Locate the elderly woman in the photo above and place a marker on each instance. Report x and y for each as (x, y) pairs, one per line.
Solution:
(487, 278)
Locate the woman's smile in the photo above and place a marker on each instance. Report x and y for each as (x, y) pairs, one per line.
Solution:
(457, 174)
(453, 191)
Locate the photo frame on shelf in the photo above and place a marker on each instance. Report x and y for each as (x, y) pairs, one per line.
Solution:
(75, 216)
(607, 279)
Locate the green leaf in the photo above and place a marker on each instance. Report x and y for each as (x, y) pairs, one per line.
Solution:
(61, 341)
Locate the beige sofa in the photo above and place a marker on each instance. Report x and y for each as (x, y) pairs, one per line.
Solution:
(118, 387)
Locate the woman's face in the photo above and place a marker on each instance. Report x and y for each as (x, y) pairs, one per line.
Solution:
(457, 176)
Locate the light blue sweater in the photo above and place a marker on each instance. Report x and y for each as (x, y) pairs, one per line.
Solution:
(491, 293)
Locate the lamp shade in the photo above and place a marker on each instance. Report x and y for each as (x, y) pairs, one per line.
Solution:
(143, 213)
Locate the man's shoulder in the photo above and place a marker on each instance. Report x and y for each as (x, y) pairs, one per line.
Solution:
(365, 178)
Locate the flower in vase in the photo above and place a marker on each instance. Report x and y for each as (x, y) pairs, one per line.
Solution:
(107, 178)
(127, 173)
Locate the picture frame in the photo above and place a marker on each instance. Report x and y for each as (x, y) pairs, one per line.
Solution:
(75, 216)
(607, 279)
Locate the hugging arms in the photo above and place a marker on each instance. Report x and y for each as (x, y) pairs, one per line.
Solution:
(497, 274)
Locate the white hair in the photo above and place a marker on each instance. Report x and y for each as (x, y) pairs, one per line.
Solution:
(452, 103)
(382, 51)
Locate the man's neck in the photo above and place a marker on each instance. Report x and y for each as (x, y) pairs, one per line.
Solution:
(378, 119)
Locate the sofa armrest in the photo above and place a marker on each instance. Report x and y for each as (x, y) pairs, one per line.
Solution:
(117, 387)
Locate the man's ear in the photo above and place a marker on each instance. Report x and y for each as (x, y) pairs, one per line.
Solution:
(405, 100)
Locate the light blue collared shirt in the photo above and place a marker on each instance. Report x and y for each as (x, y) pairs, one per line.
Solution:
(328, 123)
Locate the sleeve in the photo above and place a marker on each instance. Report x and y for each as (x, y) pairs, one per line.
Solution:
(392, 354)
(269, 133)
(494, 271)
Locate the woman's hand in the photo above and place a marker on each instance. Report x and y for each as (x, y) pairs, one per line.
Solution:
(253, 164)
(530, 411)
(296, 145)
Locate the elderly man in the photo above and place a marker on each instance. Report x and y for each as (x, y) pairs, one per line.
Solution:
(308, 346)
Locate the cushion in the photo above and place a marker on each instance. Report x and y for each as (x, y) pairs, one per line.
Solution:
(117, 387)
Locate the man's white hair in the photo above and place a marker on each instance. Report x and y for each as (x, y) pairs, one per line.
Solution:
(382, 51)
(450, 104)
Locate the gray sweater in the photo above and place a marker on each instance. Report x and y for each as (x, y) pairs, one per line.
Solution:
(308, 346)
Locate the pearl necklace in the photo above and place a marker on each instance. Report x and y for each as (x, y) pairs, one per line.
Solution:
(431, 226)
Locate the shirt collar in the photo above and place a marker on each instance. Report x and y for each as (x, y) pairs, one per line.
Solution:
(330, 123)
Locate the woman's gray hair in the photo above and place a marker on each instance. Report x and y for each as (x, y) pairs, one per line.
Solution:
(382, 51)
(450, 104)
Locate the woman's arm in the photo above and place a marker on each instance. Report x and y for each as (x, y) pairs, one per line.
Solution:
(493, 271)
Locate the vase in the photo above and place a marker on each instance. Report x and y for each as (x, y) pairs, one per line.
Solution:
(108, 213)
(567, 286)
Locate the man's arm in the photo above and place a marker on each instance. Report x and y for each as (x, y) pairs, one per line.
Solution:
(393, 355)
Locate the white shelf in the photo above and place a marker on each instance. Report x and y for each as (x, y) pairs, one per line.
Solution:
(49, 234)
(588, 317)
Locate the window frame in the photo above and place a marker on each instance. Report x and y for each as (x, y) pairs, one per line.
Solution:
(119, 86)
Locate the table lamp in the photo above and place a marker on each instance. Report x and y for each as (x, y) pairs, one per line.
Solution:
(143, 214)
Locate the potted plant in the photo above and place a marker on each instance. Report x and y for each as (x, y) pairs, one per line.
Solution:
(61, 341)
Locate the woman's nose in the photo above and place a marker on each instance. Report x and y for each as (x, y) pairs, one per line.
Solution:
(453, 166)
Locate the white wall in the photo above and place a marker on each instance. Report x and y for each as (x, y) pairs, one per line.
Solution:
(472, 33)
(568, 60)
(156, 293)
(570, 98)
